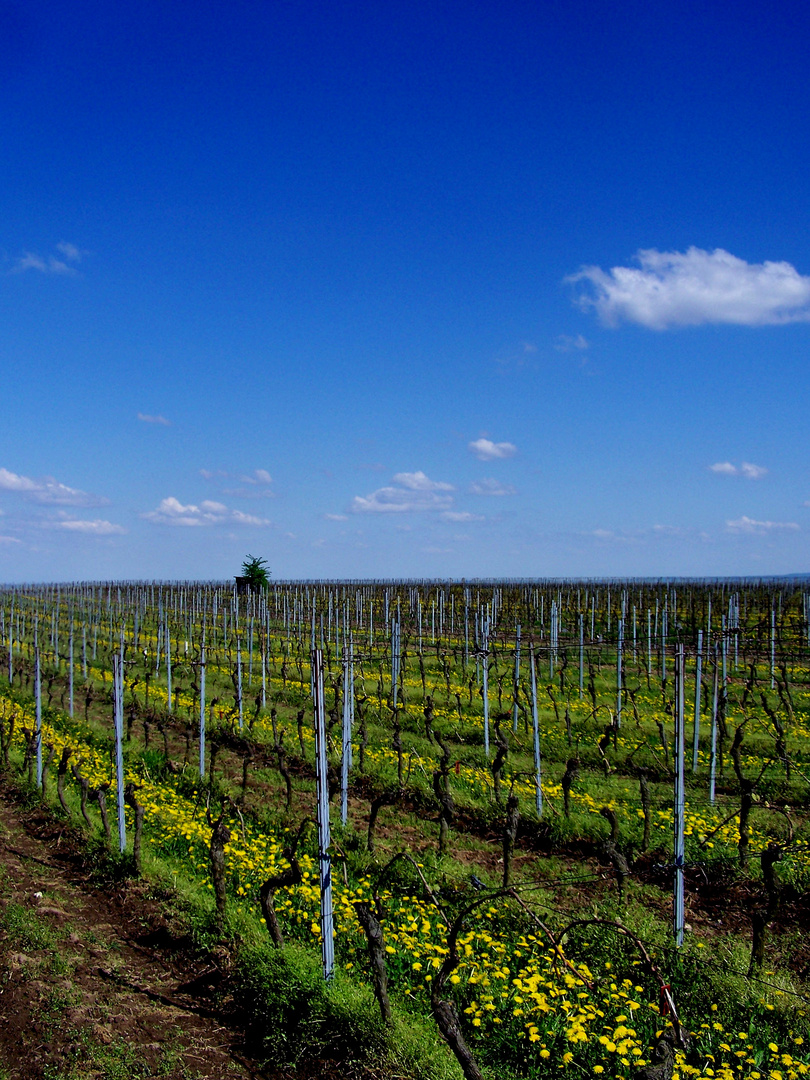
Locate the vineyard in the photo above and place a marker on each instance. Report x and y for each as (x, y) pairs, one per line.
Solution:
(450, 829)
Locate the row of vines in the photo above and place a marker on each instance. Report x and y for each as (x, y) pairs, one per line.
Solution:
(501, 766)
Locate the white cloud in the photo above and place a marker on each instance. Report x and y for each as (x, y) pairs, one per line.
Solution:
(566, 343)
(247, 519)
(47, 490)
(172, 512)
(258, 476)
(98, 527)
(491, 487)
(695, 287)
(147, 419)
(9, 540)
(486, 450)
(50, 264)
(416, 493)
(752, 472)
(417, 481)
(746, 469)
(461, 516)
(608, 536)
(70, 251)
(749, 525)
(336, 517)
(257, 483)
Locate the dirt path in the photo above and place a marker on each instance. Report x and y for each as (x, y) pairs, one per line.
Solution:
(92, 982)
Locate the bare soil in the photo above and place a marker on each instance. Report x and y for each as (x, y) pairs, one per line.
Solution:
(93, 981)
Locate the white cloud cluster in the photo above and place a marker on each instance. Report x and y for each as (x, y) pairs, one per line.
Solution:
(146, 418)
(256, 484)
(47, 490)
(490, 486)
(460, 516)
(486, 450)
(746, 469)
(566, 343)
(410, 492)
(750, 525)
(172, 512)
(97, 527)
(672, 288)
(64, 263)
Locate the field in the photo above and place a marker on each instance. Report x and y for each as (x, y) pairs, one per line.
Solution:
(521, 781)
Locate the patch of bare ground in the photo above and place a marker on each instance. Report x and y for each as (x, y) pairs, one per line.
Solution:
(93, 983)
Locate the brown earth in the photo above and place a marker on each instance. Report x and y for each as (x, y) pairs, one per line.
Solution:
(93, 982)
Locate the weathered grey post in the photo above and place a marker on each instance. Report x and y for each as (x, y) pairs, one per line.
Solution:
(538, 790)
(485, 685)
(70, 667)
(619, 647)
(713, 752)
(38, 692)
(348, 710)
(517, 681)
(680, 800)
(698, 677)
(239, 679)
(394, 661)
(168, 665)
(118, 717)
(324, 838)
(773, 648)
(202, 710)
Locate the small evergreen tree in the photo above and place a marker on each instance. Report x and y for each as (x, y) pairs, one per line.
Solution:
(256, 572)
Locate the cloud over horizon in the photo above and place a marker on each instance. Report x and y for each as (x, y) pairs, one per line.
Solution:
(487, 450)
(172, 512)
(47, 490)
(490, 486)
(694, 288)
(409, 493)
(256, 484)
(746, 469)
(97, 527)
(64, 263)
(750, 525)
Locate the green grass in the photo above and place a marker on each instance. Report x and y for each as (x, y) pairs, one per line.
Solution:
(28, 930)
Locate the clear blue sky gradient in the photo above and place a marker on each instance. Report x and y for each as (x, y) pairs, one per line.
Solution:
(334, 243)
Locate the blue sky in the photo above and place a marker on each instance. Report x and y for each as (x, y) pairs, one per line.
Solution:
(403, 289)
